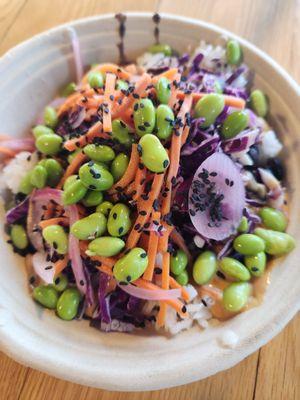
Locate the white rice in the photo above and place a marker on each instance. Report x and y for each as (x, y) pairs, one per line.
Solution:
(210, 53)
(13, 173)
(228, 338)
(269, 145)
(199, 241)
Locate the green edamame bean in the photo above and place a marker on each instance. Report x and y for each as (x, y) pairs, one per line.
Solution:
(182, 278)
(60, 283)
(121, 85)
(234, 124)
(236, 295)
(234, 269)
(248, 244)
(50, 117)
(161, 48)
(56, 237)
(131, 266)
(74, 192)
(25, 184)
(119, 166)
(273, 219)
(95, 79)
(99, 152)
(243, 226)
(233, 52)
(120, 132)
(67, 305)
(163, 90)
(49, 144)
(19, 237)
(105, 208)
(38, 176)
(95, 177)
(259, 103)
(89, 227)
(154, 155)
(178, 262)
(277, 243)
(70, 179)
(164, 121)
(209, 107)
(68, 89)
(92, 198)
(41, 130)
(54, 171)
(106, 246)
(119, 220)
(204, 267)
(143, 116)
(256, 264)
(72, 155)
(47, 296)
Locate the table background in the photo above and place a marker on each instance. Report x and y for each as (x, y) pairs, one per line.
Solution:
(273, 372)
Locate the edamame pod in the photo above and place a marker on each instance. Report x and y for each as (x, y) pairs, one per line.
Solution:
(131, 266)
(248, 244)
(60, 283)
(144, 116)
(74, 192)
(273, 219)
(154, 155)
(95, 177)
(121, 85)
(50, 117)
(54, 172)
(120, 132)
(99, 152)
(233, 52)
(38, 177)
(243, 226)
(106, 246)
(89, 227)
(164, 121)
(163, 90)
(178, 262)
(119, 166)
(204, 267)
(18, 236)
(41, 130)
(182, 278)
(234, 124)
(47, 296)
(105, 208)
(70, 179)
(236, 295)
(277, 243)
(234, 269)
(67, 305)
(119, 220)
(25, 185)
(209, 107)
(256, 264)
(92, 198)
(95, 79)
(68, 89)
(49, 144)
(56, 237)
(258, 102)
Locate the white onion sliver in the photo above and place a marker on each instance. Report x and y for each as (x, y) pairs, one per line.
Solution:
(40, 264)
(146, 294)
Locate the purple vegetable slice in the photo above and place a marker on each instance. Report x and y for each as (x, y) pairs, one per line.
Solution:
(216, 197)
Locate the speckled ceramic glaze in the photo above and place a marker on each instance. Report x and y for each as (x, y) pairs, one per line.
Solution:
(30, 74)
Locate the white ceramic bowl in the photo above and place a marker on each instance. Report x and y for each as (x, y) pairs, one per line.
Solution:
(30, 74)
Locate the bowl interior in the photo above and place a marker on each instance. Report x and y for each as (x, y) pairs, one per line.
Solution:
(31, 75)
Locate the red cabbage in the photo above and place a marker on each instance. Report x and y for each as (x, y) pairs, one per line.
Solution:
(18, 212)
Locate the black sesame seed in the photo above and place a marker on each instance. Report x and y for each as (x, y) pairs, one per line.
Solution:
(158, 271)
(147, 225)
(143, 212)
(128, 278)
(92, 187)
(55, 245)
(57, 280)
(137, 227)
(136, 107)
(121, 229)
(165, 163)
(141, 166)
(48, 267)
(220, 275)
(81, 282)
(254, 269)
(115, 215)
(32, 280)
(204, 302)
(143, 255)
(145, 197)
(141, 128)
(183, 309)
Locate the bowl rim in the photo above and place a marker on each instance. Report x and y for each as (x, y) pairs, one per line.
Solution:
(18, 350)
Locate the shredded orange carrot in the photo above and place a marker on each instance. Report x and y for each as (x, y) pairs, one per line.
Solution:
(69, 103)
(106, 269)
(111, 68)
(60, 265)
(176, 304)
(79, 159)
(169, 74)
(175, 285)
(173, 98)
(231, 101)
(139, 182)
(54, 221)
(144, 241)
(135, 232)
(164, 239)
(165, 282)
(140, 89)
(94, 131)
(130, 171)
(108, 261)
(152, 248)
(7, 152)
(108, 100)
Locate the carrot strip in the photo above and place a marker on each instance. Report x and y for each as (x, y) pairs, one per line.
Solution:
(109, 91)
(139, 182)
(175, 285)
(7, 152)
(231, 101)
(106, 269)
(152, 249)
(60, 265)
(174, 303)
(135, 232)
(130, 188)
(108, 68)
(130, 171)
(165, 282)
(94, 131)
(144, 241)
(178, 239)
(164, 239)
(54, 221)
(140, 89)
(173, 97)
(169, 74)
(69, 103)
(72, 168)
